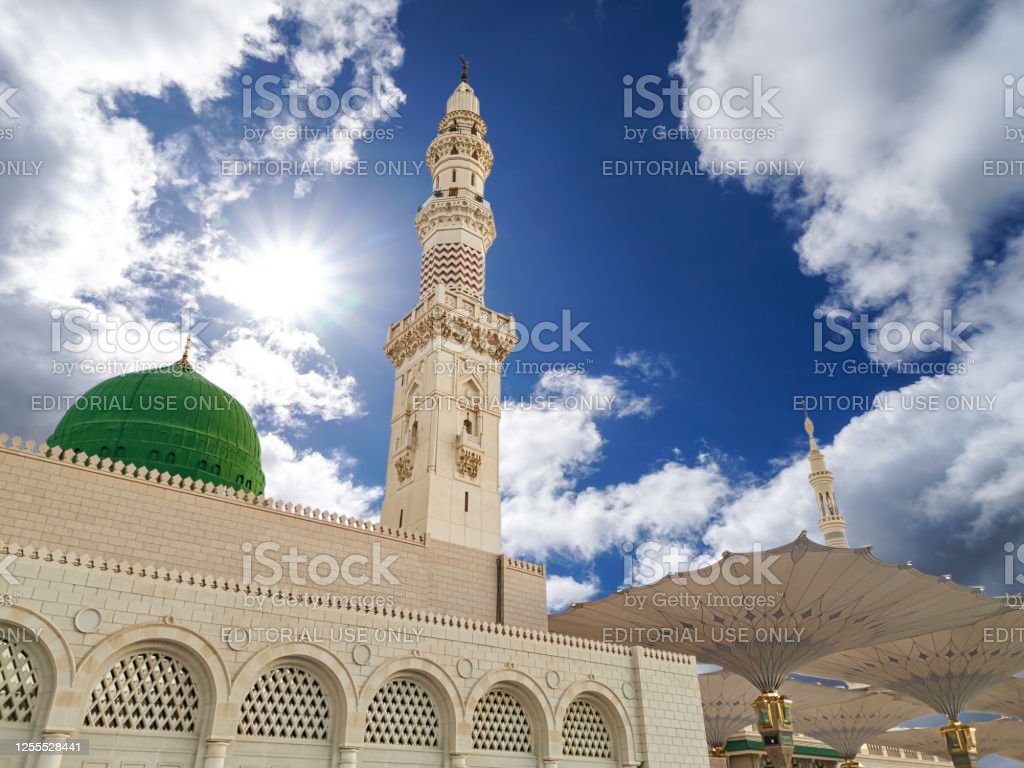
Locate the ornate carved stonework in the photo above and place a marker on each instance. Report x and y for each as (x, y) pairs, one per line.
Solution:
(403, 466)
(469, 462)
(455, 213)
(463, 116)
(445, 323)
(464, 144)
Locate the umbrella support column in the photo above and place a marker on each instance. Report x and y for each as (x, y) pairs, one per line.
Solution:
(775, 724)
(718, 757)
(961, 743)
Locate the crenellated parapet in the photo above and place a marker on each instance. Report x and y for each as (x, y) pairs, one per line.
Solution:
(178, 483)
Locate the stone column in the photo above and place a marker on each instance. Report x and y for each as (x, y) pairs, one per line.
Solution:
(348, 757)
(216, 753)
(52, 759)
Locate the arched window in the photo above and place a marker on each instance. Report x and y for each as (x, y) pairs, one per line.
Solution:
(145, 692)
(402, 714)
(584, 732)
(202, 465)
(500, 724)
(170, 457)
(285, 703)
(19, 683)
(467, 424)
(104, 452)
(154, 455)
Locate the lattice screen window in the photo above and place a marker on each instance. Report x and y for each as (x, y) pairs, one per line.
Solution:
(19, 685)
(403, 715)
(285, 703)
(584, 732)
(501, 725)
(145, 692)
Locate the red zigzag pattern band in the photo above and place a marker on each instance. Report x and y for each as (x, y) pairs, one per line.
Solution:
(453, 265)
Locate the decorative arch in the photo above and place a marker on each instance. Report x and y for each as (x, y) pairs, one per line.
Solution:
(202, 660)
(454, 733)
(325, 667)
(612, 712)
(529, 694)
(52, 660)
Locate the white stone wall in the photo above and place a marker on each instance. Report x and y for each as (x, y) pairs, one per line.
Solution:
(649, 702)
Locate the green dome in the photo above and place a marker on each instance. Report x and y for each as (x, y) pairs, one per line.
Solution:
(170, 419)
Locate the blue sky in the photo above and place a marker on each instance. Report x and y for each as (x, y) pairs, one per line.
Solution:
(698, 290)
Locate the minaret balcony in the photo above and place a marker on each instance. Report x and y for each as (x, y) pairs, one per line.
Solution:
(465, 192)
(466, 440)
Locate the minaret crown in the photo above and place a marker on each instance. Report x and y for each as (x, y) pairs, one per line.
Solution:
(464, 99)
(830, 521)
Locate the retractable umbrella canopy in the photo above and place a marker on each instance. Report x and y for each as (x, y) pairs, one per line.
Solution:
(764, 615)
(848, 725)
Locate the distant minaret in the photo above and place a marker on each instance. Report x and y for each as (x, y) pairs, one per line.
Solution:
(830, 521)
(443, 457)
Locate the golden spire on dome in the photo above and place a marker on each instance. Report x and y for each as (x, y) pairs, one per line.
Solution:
(465, 68)
(184, 358)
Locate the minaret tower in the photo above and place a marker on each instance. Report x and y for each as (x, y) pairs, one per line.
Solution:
(443, 457)
(830, 521)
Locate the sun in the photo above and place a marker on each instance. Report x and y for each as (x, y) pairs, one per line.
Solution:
(278, 278)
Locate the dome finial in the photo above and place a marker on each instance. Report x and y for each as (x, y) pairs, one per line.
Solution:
(808, 426)
(184, 358)
(465, 68)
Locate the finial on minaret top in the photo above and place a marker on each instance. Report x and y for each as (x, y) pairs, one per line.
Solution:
(465, 68)
(809, 429)
(184, 357)
(830, 521)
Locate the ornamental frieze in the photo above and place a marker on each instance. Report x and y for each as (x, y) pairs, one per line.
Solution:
(466, 145)
(455, 212)
(448, 325)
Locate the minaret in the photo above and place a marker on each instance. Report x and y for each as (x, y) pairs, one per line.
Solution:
(443, 457)
(830, 521)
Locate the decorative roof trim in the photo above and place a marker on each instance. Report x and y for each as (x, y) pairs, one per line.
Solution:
(181, 484)
(206, 581)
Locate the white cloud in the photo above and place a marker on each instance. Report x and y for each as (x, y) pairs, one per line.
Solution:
(282, 375)
(123, 221)
(563, 591)
(314, 480)
(547, 453)
(650, 365)
(893, 108)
